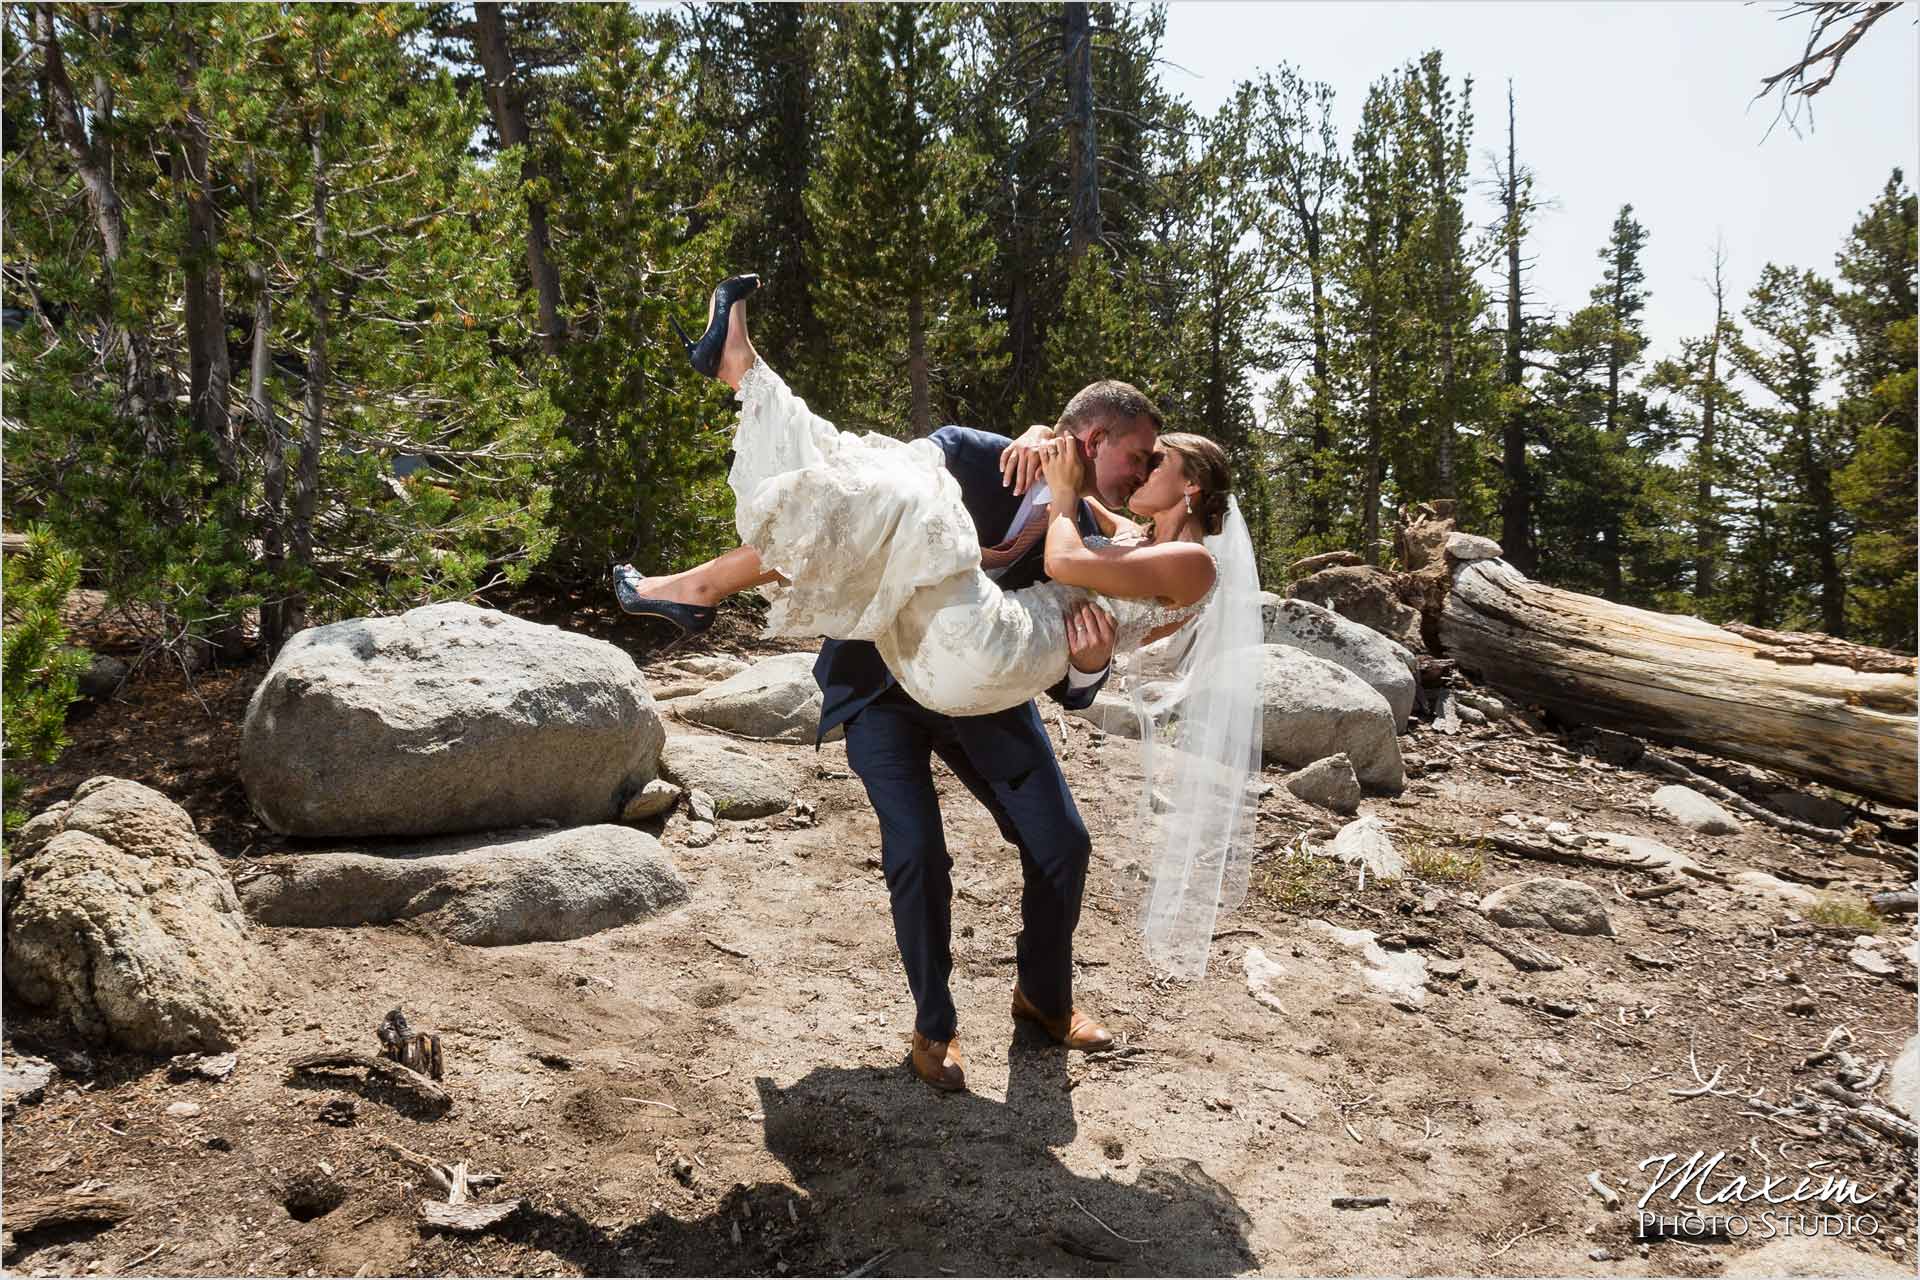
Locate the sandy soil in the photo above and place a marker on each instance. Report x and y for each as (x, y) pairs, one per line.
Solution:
(721, 1090)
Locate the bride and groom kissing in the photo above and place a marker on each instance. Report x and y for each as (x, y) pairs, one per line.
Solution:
(953, 590)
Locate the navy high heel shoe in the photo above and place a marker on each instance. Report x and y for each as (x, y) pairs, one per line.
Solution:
(704, 354)
(692, 619)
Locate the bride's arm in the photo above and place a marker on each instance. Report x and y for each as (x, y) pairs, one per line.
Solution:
(1176, 572)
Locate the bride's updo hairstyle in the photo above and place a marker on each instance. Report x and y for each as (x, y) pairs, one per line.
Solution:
(1204, 463)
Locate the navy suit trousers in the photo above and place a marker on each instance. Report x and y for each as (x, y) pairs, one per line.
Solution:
(890, 745)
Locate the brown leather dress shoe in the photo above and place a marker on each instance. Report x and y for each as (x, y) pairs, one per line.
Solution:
(1076, 1030)
(938, 1063)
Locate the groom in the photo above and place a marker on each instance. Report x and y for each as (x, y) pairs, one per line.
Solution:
(1005, 759)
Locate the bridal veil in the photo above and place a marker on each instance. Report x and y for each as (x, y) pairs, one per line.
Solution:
(1200, 735)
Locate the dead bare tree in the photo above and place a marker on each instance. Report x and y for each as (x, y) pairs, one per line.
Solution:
(1856, 16)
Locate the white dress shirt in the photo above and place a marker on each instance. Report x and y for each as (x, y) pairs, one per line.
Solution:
(1037, 496)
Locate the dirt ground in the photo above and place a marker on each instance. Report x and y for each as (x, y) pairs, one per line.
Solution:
(721, 1090)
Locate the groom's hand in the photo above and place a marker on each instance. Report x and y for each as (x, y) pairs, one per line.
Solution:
(1090, 639)
(1020, 462)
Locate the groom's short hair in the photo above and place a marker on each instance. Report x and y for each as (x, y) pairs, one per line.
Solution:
(1105, 403)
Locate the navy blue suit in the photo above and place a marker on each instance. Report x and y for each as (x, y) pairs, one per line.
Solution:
(1005, 760)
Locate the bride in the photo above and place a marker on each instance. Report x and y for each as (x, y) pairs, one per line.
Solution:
(866, 537)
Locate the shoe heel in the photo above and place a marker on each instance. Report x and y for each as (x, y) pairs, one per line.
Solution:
(685, 341)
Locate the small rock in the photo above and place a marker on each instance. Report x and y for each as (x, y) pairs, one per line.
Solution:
(1486, 702)
(1468, 547)
(651, 801)
(216, 1066)
(701, 834)
(1803, 1008)
(700, 805)
(1869, 961)
(1329, 782)
(1696, 812)
(1469, 715)
(1545, 902)
(1364, 840)
(218, 1143)
(804, 814)
(338, 1111)
(23, 1081)
(183, 1110)
(1446, 714)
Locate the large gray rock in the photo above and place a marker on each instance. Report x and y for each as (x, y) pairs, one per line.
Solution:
(742, 785)
(1903, 1085)
(483, 891)
(1314, 708)
(775, 699)
(1329, 783)
(123, 921)
(1545, 902)
(445, 719)
(1111, 712)
(1315, 629)
(1694, 811)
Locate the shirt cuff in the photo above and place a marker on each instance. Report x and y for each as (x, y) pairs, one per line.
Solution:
(1078, 679)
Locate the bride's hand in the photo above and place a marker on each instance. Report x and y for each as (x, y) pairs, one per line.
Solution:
(1061, 467)
(1020, 461)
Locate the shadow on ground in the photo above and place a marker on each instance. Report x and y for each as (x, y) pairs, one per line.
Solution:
(881, 1167)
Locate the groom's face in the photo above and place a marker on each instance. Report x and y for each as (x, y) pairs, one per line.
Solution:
(1122, 457)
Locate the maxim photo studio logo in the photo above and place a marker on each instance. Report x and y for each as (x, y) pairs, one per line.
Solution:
(1693, 1198)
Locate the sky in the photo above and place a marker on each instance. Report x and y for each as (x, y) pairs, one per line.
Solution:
(1616, 103)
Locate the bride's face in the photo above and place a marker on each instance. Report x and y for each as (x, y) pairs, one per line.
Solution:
(1166, 486)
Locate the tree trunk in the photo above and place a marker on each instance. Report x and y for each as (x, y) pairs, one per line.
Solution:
(306, 480)
(273, 441)
(1319, 507)
(1083, 148)
(1516, 506)
(1706, 531)
(210, 368)
(139, 392)
(920, 414)
(510, 120)
(1832, 712)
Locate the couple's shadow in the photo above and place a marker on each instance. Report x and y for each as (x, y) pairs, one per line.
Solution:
(958, 1182)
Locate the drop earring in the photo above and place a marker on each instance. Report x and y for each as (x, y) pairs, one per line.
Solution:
(1189, 504)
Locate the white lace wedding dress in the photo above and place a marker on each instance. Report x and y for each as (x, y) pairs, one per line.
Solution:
(877, 545)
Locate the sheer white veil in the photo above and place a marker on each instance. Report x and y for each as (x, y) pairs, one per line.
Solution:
(1198, 797)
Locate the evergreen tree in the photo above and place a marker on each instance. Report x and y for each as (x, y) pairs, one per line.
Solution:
(1874, 310)
(1789, 320)
(898, 250)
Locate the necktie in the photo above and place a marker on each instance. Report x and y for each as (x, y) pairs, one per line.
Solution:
(993, 559)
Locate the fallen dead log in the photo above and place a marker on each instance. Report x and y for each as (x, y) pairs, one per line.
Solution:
(1897, 903)
(391, 1072)
(1680, 680)
(1524, 955)
(1548, 852)
(467, 1216)
(68, 1209)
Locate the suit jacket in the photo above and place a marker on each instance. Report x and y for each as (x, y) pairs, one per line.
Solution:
(851, 674)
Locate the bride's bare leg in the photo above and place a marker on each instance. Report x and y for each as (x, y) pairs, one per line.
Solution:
(705, 584)
(738, 355)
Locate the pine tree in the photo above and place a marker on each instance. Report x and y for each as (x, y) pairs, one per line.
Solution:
(1789, 319)
(898, 250)
(1704, 404)
(1875, 313)
(1304, 173)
